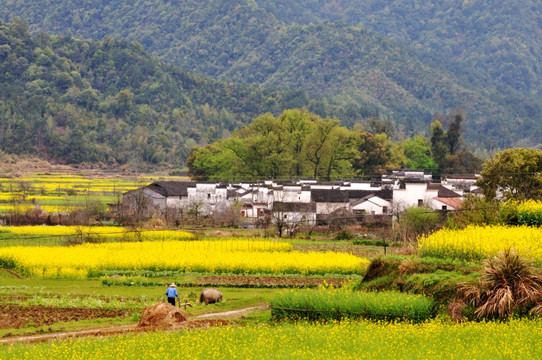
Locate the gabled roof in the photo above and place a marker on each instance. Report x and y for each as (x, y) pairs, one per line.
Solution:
(356, 202)
(171, 188)
(370, 198)
(329, 195)
(442, 191)
(450, 201)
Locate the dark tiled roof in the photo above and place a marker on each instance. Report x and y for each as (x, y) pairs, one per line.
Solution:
(171, 188)
(442, 191)
(386, 194)
(294, 207)
(329, 195)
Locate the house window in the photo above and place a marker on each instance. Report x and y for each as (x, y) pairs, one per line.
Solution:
(243, 213)
(384, 209)
(208, 196)
(444, 207)
(420, 202)
(285, 216)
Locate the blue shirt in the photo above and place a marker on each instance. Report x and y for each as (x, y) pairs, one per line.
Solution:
(172, 292)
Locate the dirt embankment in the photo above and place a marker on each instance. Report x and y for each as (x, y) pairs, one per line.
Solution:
(162, 316)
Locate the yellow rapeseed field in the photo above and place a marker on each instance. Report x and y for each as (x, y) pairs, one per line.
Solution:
(478, 242)
(217, 256)
(97, 231)
(516, 339)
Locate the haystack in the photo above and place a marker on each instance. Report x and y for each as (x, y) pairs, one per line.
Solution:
(162, 315)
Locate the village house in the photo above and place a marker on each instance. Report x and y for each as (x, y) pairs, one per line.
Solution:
(306, 200)
(370, 205)
(443, 198)
(157, 196)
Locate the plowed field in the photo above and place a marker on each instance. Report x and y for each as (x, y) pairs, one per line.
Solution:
(269, 280)
(13, 316)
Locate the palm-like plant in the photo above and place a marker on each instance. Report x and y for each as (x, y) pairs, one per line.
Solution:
(508, 282)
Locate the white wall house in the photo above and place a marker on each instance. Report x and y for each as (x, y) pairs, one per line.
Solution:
(410, 193)
(419, 193)
(158, 196)
(371, 205)
(292, 194)
(294, 213)
(329, 201)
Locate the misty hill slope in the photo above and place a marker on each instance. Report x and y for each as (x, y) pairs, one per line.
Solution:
(261, 42)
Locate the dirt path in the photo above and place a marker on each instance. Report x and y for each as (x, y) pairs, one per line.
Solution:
(204, 320)
(233, 314)
(112, 330)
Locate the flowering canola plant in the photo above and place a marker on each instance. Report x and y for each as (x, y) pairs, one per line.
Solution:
(110, 232)
(233, 256)
(478, 242)
(516, 339)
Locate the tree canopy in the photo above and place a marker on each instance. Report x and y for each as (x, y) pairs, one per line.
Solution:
(513, 174)
(295, 144)
(301, 144)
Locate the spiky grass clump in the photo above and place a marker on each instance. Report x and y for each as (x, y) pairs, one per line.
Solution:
(508, 284)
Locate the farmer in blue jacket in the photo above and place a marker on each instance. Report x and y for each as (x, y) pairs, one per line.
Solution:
(172, 293)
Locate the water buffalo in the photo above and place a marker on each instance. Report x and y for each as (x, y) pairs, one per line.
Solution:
(210, 296)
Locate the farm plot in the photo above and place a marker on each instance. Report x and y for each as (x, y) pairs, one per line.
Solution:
(14, 316)
(478, 242)
(60, 193)
(345, 340)
(238, 281)
(60, 235)
(208, 256)
(342, 303)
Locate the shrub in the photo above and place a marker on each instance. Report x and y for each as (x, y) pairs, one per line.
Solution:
(415, 221)
(344, 235)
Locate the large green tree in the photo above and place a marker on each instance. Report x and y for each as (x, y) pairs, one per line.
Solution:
(513, 174)
(418, 154)
(294, 144)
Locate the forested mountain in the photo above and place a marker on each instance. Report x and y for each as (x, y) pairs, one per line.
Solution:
(500, 36)
(477, 55)
(74, 100)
